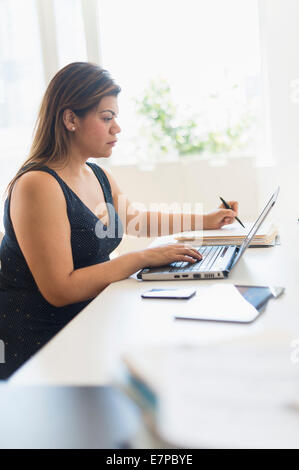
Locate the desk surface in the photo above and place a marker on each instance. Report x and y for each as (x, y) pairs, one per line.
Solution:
(88, 350)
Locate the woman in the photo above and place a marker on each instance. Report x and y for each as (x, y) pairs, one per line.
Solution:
(53, 260)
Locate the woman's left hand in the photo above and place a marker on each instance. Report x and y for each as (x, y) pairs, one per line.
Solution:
(220, 217)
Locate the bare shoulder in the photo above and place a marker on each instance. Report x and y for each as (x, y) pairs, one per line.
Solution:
(37, 198)
(35, 180)
(37, 185)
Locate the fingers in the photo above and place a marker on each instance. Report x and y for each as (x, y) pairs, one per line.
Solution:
(187, 253)
(233, 204)
(227, 221)
(190, 253)
(172, 252)
(187, 258)
(228, 217)
(228, 213)
(189, 247)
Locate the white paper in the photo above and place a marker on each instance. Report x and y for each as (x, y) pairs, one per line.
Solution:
(228, 231)
(219, 303)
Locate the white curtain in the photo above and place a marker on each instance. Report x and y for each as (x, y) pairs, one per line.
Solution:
(69, 31)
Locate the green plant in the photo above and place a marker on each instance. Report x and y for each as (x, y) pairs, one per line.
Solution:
(186, 136)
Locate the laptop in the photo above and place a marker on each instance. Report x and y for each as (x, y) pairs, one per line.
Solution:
(217, 261)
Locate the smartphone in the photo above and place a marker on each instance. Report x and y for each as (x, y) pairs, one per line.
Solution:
(258, 296)
(168, 294)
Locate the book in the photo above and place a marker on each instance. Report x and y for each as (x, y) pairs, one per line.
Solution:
(232, 234)
(228, 394)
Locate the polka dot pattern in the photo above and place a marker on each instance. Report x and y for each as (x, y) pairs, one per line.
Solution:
(27, 320)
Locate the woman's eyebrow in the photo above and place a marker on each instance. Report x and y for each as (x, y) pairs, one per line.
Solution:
(109, 110)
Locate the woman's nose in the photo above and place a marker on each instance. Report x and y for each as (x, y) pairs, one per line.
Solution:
(115, 129)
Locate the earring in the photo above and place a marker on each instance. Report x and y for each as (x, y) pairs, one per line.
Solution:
(73, 128)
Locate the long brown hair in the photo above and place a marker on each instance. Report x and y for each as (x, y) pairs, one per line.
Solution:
(79, 86)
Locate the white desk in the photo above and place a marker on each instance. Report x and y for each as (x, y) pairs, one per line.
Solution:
(88, 350)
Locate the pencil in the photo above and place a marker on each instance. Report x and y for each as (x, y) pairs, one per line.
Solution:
(227, 206)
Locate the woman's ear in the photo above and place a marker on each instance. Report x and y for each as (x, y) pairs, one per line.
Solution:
(69, 120)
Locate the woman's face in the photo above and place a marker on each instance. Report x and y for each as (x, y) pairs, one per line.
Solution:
(96, 133)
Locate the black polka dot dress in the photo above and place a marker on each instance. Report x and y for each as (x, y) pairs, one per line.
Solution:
(27, 320)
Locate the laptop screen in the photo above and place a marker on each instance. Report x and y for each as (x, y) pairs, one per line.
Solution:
(256, 226)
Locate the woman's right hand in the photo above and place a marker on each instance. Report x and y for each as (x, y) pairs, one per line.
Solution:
(167, 254)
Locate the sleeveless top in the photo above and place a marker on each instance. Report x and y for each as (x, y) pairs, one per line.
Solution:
(27, 320)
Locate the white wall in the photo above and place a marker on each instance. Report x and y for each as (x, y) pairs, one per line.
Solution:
(279, 164)
(191, 180)
(280, 39)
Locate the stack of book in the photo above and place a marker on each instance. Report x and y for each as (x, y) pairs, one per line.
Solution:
(232, 234)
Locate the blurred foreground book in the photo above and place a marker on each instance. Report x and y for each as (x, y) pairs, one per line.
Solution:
(238, 394)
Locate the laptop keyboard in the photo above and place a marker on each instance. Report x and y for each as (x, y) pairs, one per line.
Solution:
(209, 255)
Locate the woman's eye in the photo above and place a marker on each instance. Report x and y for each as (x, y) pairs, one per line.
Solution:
(107, 119)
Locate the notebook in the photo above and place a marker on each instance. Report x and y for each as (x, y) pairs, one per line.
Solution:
(232, 234)
(217, 261)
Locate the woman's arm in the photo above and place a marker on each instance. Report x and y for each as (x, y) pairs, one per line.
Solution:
(90, 281)
(39, 216)
(162, 224)
(139, 222)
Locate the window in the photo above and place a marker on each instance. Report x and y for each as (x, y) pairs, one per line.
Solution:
(207, 52)
(20, 71)
(70, 40)
(37, 38)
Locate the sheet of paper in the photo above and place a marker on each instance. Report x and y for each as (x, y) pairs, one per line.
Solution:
(233, 230)
(219, 303)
